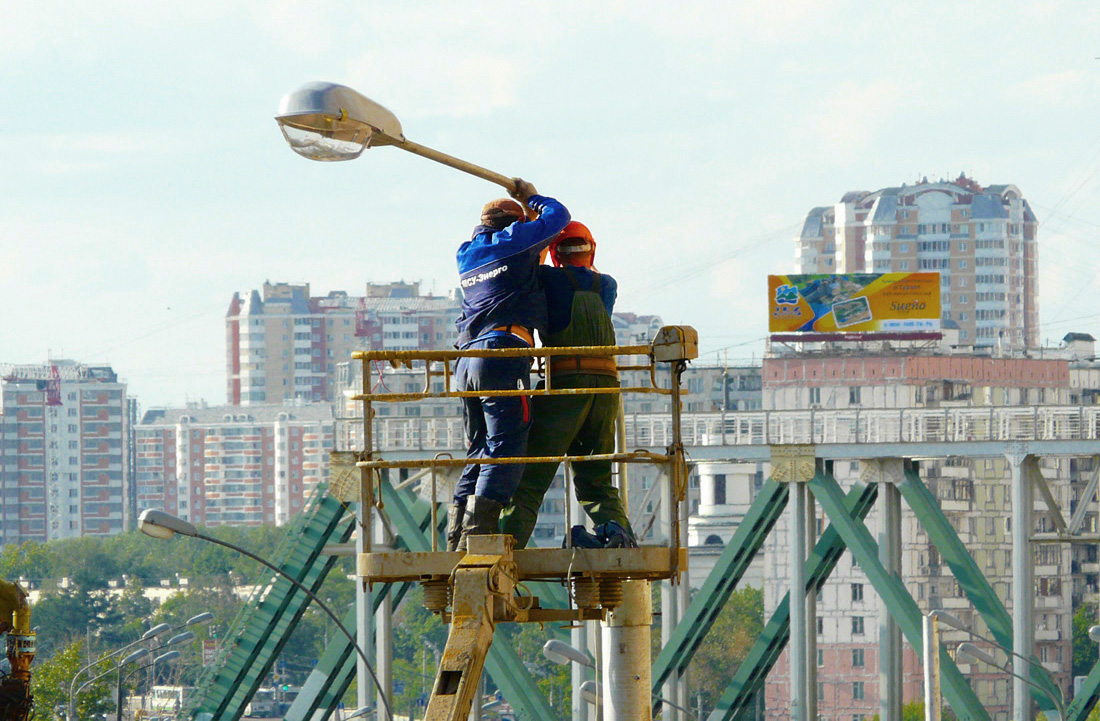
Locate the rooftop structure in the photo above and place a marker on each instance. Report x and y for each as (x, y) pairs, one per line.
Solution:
(982, 241)
(282, 343)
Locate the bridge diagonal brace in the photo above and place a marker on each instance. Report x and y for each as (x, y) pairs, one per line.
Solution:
(904, 609)
(737, 699)
(1084, 502)
(1040, 483)
(738, 554)
(966, 572)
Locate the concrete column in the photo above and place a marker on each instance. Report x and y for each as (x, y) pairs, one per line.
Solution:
(626, 669)
(889, 633)
(796, 648)
(1023, 578)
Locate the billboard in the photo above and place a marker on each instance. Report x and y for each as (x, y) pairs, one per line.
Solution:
(854, 303)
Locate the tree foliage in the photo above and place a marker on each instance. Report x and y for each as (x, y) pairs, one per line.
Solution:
(50, 683)
(1084, 649)
(726, 645)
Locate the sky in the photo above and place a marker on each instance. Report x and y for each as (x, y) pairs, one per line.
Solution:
(143, 179)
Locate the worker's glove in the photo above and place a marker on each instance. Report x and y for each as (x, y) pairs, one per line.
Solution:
(523, 191)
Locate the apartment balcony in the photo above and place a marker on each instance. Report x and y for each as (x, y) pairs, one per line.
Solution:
(1043, 634)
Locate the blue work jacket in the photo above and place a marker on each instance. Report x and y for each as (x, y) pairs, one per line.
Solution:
(498, 272)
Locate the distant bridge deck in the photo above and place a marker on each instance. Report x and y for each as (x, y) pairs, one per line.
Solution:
(853, 433)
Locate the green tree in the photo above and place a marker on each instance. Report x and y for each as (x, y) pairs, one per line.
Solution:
(50, 682)
(1084, 648)
(724, 648)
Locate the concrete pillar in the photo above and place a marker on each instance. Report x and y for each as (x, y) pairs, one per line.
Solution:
(889, 633)
(626, 669)
(1023, 578)
(796, 648)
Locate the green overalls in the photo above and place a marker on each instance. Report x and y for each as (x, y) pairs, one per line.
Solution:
(577, 425)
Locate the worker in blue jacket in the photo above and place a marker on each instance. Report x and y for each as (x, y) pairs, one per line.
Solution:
(503, 305)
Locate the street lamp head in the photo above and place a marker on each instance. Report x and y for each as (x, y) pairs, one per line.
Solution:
(561, 653)
(159, 524)
(1094, 633)
(166, 657)
(590, 692)
(202, 619)
(326, 121)
(953, 621)
(135, 656)
(180, 638)
(969, 650)
(155, 631)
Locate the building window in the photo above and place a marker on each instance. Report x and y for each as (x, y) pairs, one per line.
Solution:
(820, 626)
(857, 691)
(820, 658)
(857, 625)
(719, 490)
(857, 592)
(815, 395)
(854, 395)
(857, 658)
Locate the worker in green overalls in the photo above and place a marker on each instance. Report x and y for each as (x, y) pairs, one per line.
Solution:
(580, 301)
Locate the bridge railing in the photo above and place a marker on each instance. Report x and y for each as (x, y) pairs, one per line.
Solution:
(817, 426)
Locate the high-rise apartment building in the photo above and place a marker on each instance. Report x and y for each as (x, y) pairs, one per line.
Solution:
(285, 344)
(230, 465)
(64, 452)
(982, 241)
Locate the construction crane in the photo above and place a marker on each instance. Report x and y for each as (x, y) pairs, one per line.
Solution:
(16, 700)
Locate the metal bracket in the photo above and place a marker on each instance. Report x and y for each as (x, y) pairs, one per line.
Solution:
(794, 463)
(883, 470)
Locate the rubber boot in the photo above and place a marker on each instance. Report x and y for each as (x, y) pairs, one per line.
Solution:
(455, 514)
(482, 518)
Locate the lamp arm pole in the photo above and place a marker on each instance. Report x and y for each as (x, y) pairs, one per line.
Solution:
(1045, 691)
(320, 603)
(1029, 682)
(457, 164)
(678, 707)
(104, 657)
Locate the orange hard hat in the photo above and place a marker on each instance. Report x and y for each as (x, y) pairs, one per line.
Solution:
(502, 212)
(574, 246)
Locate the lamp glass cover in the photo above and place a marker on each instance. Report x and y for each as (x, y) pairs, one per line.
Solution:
(325, 146)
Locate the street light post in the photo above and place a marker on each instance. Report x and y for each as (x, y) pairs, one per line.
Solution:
(159, 524)
(932, 697)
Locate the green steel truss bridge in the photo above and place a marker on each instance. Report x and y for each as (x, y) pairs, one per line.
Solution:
(801, 447)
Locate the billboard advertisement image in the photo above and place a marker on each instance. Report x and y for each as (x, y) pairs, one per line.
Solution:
(854, 303)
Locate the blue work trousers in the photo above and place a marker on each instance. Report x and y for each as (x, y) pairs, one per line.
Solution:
(495, 427)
